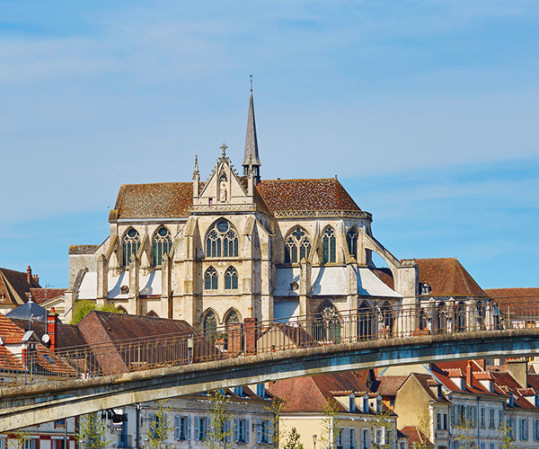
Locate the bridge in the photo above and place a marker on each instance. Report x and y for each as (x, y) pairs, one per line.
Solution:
(105, 376)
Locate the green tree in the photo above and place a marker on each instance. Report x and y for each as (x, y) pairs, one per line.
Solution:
(159, 426)
(385, 421)
(220, 419)
(292, 441)
(92, 431)
(84, 307)
(465, 433)
(330, 425)
(21, 436)
(505, 434)
(275, 408)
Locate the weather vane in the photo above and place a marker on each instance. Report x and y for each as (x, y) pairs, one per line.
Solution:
(251, 76)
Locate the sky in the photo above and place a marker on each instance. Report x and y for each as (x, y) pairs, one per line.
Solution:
(426, 110)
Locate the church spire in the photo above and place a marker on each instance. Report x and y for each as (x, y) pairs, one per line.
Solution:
(251, 143)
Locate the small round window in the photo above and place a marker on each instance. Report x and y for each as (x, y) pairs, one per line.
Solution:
(132, 233)
(163, 232)
(222, 226)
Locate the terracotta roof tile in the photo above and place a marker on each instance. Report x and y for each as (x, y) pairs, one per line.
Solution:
(386, 276)
(43, 294)
(389, 385)
(447, 277)
(507, 297)
(14, 286)
(414, 435)
(306, 195)
(162, 200)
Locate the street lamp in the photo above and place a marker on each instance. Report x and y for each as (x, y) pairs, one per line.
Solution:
(314, 440)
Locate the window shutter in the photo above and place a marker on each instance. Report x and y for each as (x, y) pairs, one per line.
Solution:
(236, 430)
(177, 424)
(187, 427)
(246, 430)
(270, 431)
(258, 431)
(197, 428)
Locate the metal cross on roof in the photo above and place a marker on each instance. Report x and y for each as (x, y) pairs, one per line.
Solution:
(223, 147)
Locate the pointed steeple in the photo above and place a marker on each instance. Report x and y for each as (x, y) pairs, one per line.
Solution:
(251, 143)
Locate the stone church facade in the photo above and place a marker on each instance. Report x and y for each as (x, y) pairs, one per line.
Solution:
(238, 246)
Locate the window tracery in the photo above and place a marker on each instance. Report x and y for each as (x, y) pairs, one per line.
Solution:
(209, 324)
(351, 241)
(297, 244)
(222, 241)
(231, 279)
(210, 279)
(328, 246)
(130, 245)
(162, 243)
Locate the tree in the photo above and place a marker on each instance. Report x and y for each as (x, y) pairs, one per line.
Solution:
(330, 425)
(465, 433)
(21, 436)
(84, 307)
(220, 429)
(159, 426)
(275, 409)
(92, 431)
(384, 420)
(505, 433)
(292, 441)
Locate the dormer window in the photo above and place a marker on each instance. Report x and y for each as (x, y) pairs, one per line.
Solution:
(365, 404)
(352, 403)
(425, 288)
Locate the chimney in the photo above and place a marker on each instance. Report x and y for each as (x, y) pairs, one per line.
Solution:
(469, 373)
(29, 275)
(35, 277)
(52, 321)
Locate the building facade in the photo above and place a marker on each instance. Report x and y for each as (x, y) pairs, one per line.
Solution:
(238, 246)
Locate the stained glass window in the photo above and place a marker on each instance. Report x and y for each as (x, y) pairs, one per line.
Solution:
(130, 245)
(210, 279)
(231, 279)
(351, 240)
(297, 244)
(328, 246)
(161, 245)
(222, 241)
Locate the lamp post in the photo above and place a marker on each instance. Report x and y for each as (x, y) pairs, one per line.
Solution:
(314, 441)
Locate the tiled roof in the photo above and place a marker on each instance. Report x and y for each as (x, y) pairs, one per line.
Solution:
(414, 435)
(389, 385)
(447, 277)
(43, 294)
(509, 296)
(386, 276)
(8, 362)
(67, 335)
(112, 329)
(311, 394)
(306, 195)
(162, 200)
(8, 328)
(14, 286)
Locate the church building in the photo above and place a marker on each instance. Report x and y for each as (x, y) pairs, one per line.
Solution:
(238, 246)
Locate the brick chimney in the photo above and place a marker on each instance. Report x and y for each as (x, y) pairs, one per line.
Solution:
(29, 275)
(35, 277)
(52, 321)
(469, 373)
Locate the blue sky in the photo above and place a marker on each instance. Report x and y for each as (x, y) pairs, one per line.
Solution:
(426, 110)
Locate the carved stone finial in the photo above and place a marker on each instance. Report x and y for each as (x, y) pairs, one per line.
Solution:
(224, 147)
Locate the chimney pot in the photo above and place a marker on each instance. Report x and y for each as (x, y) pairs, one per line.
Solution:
(29, 275)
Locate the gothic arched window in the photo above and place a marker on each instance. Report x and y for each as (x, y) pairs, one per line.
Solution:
(222, 241)
(327, 324)
(231, 279)
(130, 245)
(351, 241)
(328, 246)
(161, 245)
(210, 279)
(297, 244)
(209, 324)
